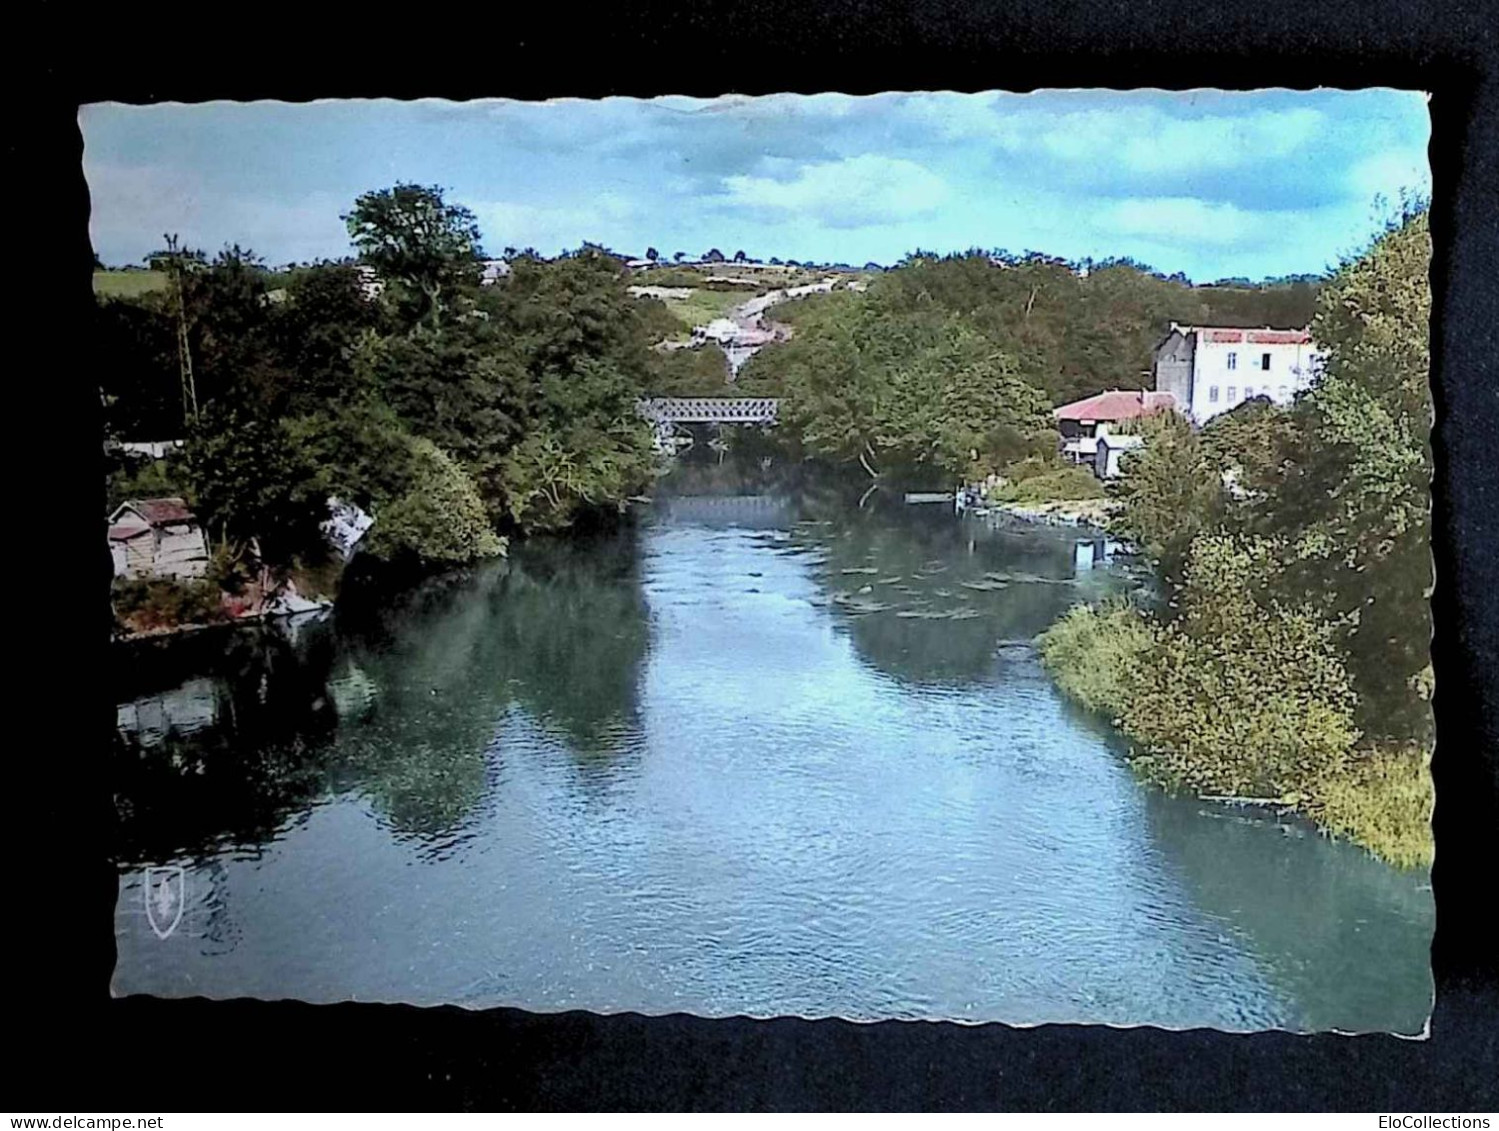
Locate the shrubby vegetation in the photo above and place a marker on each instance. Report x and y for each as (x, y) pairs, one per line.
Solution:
(1383, 800)
(439, 518)
(1058, 483)
(1241, 695)
(1097, 653)
(1292, 662)
(143, 605)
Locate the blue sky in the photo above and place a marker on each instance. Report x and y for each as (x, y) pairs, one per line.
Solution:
(1210, 183)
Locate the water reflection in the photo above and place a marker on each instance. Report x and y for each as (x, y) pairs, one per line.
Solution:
(1274, 882)
(397, 702)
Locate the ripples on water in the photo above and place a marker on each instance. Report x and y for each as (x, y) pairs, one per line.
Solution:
(711, 768)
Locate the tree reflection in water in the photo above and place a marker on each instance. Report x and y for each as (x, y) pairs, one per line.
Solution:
(929, 599)
(398, 701)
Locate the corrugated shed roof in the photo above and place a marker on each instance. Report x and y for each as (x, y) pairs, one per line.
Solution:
(159, 512)
(1116, 404)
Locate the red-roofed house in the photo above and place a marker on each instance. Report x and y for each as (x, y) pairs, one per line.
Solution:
(1086, 425)
(157, 538)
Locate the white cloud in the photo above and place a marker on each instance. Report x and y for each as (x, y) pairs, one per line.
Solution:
(550, 228)
(1219, 142)
(1182, 219)
(1163, 228)
(867, 189)
(1143, 139)
(1388, 172)
(134, 206)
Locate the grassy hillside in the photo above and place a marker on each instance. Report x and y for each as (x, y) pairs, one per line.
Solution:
(128, 284)
(705, 305)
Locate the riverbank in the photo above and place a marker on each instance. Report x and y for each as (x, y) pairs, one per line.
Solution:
(147, 608)
(1110, 658)
(1091, 513)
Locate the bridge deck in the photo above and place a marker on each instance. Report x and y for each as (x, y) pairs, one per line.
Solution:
(709, 410)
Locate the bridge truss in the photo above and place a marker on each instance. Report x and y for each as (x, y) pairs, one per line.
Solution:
(666, 414)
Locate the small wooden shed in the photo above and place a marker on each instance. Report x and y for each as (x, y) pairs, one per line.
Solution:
(157, 538)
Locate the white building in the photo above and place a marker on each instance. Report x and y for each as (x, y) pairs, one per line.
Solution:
(1109, 447)
(1210, 369)
(370, 284)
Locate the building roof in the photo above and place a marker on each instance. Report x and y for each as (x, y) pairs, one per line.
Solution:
(1265, 335)
(156, 512)
(1116, 404)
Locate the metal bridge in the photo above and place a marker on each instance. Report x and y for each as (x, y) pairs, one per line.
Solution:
(666, 414)
(709, 410)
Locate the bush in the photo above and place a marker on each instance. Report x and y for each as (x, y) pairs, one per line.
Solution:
(440, 519)
(1382, 800)
(1028, 468)
(144, 604)
(1094, 653)
(1240, 697)
(1061, 484)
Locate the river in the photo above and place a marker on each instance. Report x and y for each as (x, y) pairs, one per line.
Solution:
(767, 752)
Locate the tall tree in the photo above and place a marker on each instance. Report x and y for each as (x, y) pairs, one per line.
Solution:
(415, 239)
(1353, 495)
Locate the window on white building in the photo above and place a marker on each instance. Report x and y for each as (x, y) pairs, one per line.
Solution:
(1233, 360)
(1248, 391)
(1213, 394)
(1265, 362)
(1281, 392)
(1233, 393)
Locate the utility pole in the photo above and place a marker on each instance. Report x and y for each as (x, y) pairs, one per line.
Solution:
(184, 354)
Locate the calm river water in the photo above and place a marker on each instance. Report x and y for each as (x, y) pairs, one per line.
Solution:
(768, 753)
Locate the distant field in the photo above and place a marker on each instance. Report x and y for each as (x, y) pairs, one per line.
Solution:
(705, 305)
(128, 284)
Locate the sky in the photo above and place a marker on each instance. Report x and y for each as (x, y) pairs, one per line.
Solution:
(1212, 184)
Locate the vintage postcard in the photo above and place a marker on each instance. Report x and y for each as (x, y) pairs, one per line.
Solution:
(920, 556)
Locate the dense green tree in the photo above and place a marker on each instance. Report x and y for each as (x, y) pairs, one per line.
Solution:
(135, 351)
(1171, 492)
(317, 332)
(229, 322)
(920, 390)
(424, 248)
(439, 518)
(579, 360)
(1352, 497)
(252, 485)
